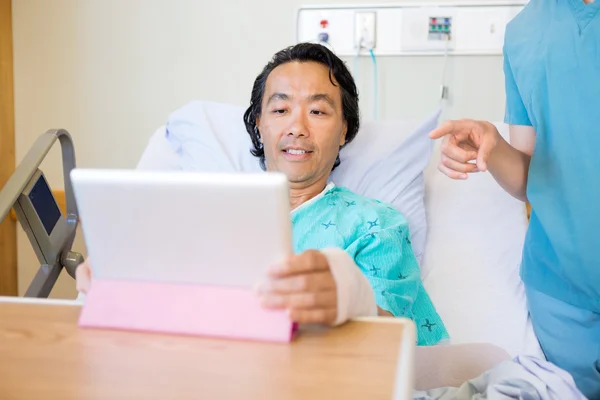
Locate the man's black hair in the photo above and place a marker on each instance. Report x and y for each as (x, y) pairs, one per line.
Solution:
(305, 52)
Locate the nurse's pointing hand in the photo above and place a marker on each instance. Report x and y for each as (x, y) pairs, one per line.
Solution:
(303, 285)
(463, 141)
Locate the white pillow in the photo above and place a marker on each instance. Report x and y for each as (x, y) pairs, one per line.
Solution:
(472, 258)
(210, 136)
(385, 161)
(159, 154)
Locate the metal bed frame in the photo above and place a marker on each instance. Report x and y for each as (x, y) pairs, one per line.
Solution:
(50, 233)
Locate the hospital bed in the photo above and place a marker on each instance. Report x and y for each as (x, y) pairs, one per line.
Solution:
(467, 235)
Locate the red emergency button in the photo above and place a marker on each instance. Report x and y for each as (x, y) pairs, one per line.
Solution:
(324, 23)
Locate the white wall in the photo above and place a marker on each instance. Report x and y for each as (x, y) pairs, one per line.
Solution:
(110, 72)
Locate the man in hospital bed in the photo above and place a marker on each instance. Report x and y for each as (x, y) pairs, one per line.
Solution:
(353, 255)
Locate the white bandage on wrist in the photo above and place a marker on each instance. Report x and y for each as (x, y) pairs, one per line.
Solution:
(355, 297)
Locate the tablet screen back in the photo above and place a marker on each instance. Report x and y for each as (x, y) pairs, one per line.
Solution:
(181, 227)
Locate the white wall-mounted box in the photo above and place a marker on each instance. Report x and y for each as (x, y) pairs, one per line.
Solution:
(406, 29)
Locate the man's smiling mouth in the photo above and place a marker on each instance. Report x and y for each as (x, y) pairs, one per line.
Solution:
(297, 151)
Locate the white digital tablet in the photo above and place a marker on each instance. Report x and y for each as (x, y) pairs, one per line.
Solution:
(183, 227)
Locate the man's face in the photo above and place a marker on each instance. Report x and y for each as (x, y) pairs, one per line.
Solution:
(301, 124)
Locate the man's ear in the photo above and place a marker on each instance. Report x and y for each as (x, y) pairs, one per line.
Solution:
(257, 127)
(344, 132)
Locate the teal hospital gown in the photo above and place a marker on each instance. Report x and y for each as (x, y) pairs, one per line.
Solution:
(376, 236)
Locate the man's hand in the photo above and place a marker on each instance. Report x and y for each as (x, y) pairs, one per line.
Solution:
(83, 277)
(464, 141)
(383, 313)
(303, 285)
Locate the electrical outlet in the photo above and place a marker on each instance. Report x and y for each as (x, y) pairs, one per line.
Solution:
(365, 25)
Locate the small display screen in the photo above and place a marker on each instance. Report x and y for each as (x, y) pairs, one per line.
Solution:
(44, 204)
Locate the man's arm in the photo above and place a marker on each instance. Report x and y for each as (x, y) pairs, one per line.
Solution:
(382, 313)
(388, 262)
(509, 163)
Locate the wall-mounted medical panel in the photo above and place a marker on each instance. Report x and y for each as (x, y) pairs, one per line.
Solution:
(409, 29)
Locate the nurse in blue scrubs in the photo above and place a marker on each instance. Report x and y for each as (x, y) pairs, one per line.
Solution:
(552, 72)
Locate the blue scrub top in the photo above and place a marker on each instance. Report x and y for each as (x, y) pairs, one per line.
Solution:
(552, 69)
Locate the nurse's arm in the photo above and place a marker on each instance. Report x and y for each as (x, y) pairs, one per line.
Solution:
(509, 163)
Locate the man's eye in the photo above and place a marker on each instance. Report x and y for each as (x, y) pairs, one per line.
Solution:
(279, 111)
(317, 112)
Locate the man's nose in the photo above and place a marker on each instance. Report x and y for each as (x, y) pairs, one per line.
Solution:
(298, 125)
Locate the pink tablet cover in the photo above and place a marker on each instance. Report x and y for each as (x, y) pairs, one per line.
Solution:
(183, 309)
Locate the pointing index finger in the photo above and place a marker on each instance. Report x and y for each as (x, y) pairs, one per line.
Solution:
(445, 129)
(459, 128)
